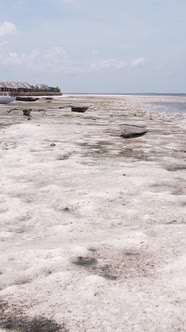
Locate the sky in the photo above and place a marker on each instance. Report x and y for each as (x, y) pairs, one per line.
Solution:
(95, 46)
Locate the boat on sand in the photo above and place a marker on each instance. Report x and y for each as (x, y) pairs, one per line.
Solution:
(79, 109)
(6, 98)
(29, 99)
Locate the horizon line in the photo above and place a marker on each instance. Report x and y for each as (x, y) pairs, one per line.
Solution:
(126, 93)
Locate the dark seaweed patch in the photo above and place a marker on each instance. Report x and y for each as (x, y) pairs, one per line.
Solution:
(10, 320)
(85, 261)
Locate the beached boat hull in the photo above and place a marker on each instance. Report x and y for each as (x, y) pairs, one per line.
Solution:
(6, 99)
(79, 109)
(28, 99)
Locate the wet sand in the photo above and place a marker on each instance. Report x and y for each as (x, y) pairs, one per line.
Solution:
(92, 233)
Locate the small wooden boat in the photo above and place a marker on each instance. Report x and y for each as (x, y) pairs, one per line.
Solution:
(133, 135)
(79, 109)
(49, 98)
(28, 99)
(132, 131)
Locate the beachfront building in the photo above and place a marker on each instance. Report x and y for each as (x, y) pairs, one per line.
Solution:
(42, 87)
(15, 87)
(18, 88)
(24, 87)
(2, 87)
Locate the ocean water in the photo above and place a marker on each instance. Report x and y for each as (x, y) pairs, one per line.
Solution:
(168, 106)
(169, 103)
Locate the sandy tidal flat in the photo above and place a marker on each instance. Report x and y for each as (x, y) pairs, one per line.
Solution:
(92, 234)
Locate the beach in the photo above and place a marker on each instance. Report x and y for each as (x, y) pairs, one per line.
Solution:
(93, 230)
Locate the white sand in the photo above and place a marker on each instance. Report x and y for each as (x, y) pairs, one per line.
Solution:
(119, 205)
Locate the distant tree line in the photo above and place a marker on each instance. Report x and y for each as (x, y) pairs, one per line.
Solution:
(54, 89)
(51, 89)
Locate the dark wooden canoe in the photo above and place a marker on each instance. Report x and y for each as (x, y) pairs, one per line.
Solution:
(28, 99)
(133, 135)
(79, 109)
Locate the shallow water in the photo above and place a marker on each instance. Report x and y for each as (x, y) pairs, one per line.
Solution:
(168, 106)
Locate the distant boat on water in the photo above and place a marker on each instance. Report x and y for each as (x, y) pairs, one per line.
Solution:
(6, 98)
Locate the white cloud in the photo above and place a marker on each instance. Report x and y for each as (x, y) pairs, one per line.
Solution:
(116, 64)
(54, 59)
(13, 54)
(7, 29)
(8, 57)
(108, 64)
(137, 62)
